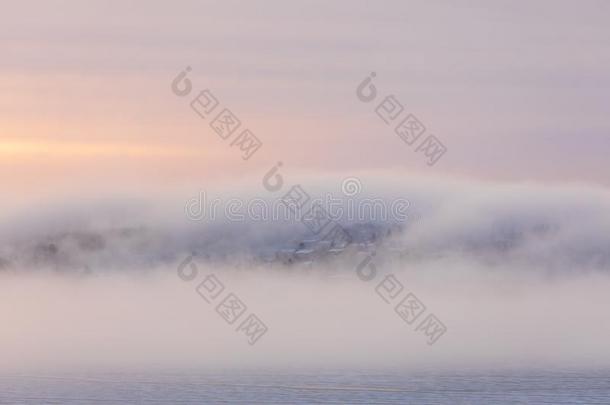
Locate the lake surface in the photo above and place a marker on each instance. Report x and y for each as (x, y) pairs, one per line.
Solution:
(548, 387)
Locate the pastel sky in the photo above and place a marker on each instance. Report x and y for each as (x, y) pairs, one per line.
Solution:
(515, 90)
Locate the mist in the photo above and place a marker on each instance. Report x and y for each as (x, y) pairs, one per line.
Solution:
(117, 322)
(516, 272)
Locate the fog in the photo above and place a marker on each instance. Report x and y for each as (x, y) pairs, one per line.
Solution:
(119, 322)
(517, 273)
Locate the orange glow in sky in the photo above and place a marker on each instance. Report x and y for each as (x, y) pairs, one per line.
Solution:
(29, 148)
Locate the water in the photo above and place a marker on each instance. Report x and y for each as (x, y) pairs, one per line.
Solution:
(548, 387)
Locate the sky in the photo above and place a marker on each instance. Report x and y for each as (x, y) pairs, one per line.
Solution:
(515, 91)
